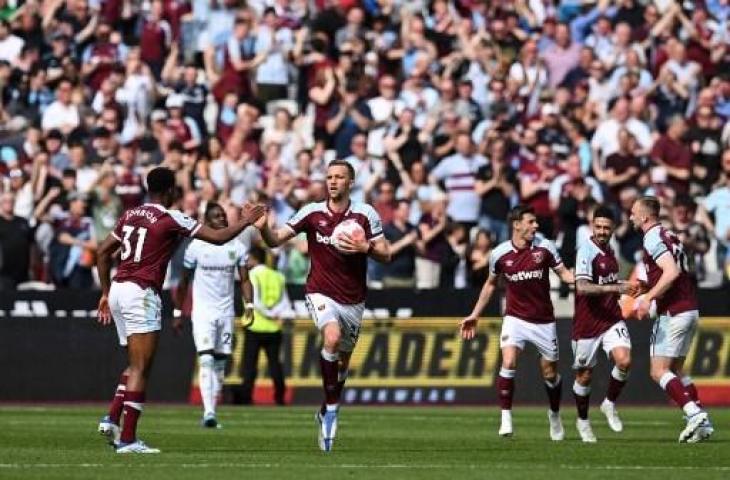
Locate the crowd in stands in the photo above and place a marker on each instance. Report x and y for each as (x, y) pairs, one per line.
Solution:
(451, 112)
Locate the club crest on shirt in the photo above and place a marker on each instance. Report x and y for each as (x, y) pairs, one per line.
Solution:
(537, 256)
(231, 255)
(320, 308)
(322, 223)
(509, 263)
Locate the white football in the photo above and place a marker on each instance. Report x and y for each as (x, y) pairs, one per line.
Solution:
(349, 227)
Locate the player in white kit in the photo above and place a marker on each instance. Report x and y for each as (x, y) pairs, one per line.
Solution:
(212, 270)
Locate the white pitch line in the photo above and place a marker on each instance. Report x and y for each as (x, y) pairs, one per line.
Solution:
(366, 466)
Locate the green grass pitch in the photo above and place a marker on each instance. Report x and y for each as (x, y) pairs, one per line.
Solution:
(373, 442)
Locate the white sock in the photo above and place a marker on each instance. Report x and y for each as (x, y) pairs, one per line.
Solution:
(220, 374)
(207, 382)
(506, 415)
(619, 374)
(691, 408)
(582, 390)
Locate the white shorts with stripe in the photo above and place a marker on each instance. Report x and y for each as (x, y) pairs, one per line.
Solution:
(134, 309)
(672, 335)
(585, 350)
(324, 310)
(517, 332)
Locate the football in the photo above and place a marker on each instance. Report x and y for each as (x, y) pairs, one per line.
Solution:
(629, 304)
(348, 227)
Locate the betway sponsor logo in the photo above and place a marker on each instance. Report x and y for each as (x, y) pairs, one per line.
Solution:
(520, 276)
(610, 278)
(322, 239)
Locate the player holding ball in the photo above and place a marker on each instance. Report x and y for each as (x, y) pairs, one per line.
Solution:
(341, 234)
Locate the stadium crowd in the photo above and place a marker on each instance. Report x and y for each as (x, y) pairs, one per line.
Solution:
(451, 111)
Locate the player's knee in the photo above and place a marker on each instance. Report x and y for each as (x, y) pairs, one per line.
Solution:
(624, 364)
(657, 372)
(549, 371)
(583, 377)
(331, 340)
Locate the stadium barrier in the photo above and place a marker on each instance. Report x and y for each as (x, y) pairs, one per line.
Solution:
(52, 349)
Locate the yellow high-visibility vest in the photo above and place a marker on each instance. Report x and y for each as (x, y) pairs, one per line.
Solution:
(268, 288)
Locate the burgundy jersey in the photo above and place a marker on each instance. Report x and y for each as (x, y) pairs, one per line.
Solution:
(527, 274)
(130, 187)
(154, 37)
(150, 235)
(594, 314)
(682, 295)
(336, 275)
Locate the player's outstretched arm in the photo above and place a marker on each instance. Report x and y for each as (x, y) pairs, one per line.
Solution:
(249, 214)
(468, 325)
(670, 272)
(565, 274)
(586, 287)
(104, 255)
(273, 238)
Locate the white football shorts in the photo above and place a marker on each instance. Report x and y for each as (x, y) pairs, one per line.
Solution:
(324, 310)
(517, 332)
(672, 335)
(213, 333)
(134, 309)
(585, 350)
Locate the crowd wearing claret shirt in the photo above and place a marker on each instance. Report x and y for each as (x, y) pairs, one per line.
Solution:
(450, 111)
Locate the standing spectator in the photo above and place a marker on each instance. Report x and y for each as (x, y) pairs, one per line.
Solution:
(238, 60)
(432, 244)
(605, 139)
(10, 45)
(105, 206)
(458, 173)
(129, 185)
(349, 116)
(705, 138)
(155, 38)
(717, 204)
(15, 244)
(693, 235)
(72, 251)
(535, 179)
(181, 128)
(62, 114)
(622, 167)
(272, 75)
(562, 56)
(102, 57)
(384, 109)
(477, 257)
(270, 306)
(384, 203)
(495, 185)
(368, 170)
(672, 152)
(402, 235)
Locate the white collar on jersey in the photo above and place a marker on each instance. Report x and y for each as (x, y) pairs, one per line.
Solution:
(157, 206)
